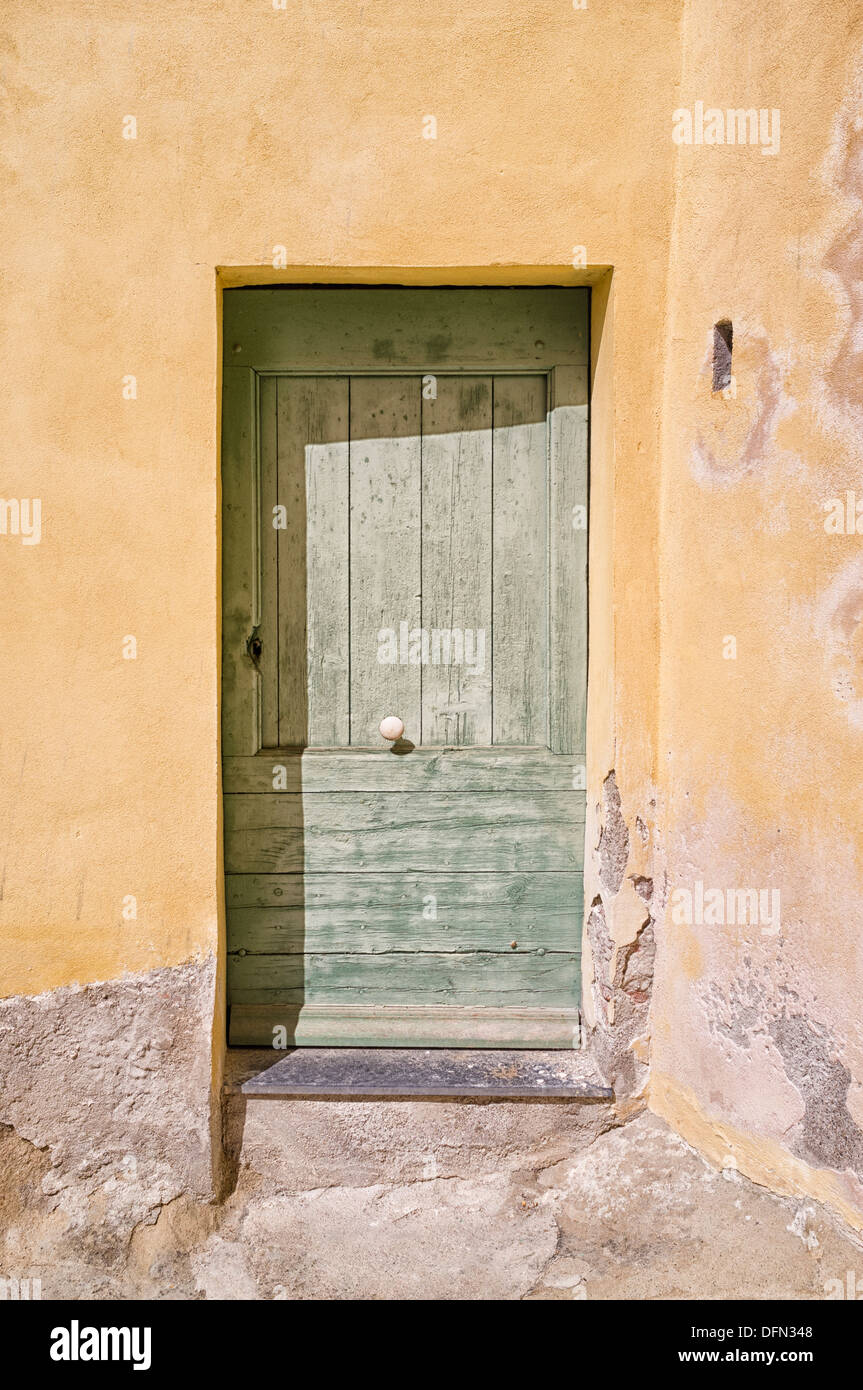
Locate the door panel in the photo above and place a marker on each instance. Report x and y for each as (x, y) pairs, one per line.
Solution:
(349, 1023)
(287, 832)
(402, 977)
(456, 556)
(404, 538)
(313, 559)
(268, 625)
(509, 770)
(520, 564)
(567, 653)
(274, 913)
(385, 548)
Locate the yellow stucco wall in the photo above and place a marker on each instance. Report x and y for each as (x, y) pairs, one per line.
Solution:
(303, 128)
(255, 128)
(761, 756)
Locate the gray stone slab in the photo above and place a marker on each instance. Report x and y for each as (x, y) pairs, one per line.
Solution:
(430, 1072)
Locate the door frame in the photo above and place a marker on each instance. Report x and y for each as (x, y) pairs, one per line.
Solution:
(605, 705)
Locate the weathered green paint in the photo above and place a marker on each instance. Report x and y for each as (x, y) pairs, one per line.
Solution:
(269, 913)
(457, 527)
(404, 457)
(520, 561)
(386, 578)
(354, 1024)
(406, 977)
(493, 832)
(339, 328)
(387, 770)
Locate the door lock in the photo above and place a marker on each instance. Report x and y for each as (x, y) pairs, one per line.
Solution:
(254, 646)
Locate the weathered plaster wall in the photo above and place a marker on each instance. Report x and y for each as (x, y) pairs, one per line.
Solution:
(303, 128)
(757, 1035)
(259, 128)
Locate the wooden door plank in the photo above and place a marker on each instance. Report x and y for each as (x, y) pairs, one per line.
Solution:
(480, 894)
(385, 554)
(432, 769)
(456, 561)
(268, 626)
(404, 977)
(366, 929)
(396, 832)
(313, 560)
(375, 328)
(290, 913)
(568, 502)
(240, 562)
(519, 558)
(355, 1024)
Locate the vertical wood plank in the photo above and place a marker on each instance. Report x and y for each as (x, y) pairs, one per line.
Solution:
(385, 553)
(568, 500)
(240, 562)
(327, 489)
(519, 560)
(293, 428)
(268, 620)
(456, 562)
(313, 561)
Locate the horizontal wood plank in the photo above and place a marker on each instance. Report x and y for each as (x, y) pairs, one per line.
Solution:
(364, 1025)
(363, 913)
(358, 327)
(407, 978)
(429, 769)
(395, 832)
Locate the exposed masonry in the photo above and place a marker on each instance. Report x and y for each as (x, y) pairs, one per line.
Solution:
(113, 1083)
(622, 973)
(755, 1006)
(828, 1134)
(723, 337)
(613, 845)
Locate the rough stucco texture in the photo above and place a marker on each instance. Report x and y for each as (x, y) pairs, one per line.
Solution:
(112, 1082)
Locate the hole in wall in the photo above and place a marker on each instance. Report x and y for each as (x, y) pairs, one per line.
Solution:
(723, 336)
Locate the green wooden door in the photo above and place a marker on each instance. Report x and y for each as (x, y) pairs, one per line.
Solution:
(404, 533)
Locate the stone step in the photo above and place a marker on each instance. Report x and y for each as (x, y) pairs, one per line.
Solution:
(429, 1073)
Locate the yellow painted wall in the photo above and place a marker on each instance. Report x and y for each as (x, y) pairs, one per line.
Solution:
(303, 128)
(761, 756)
(255, 128)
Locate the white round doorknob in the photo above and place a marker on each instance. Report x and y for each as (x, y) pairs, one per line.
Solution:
(392, 727)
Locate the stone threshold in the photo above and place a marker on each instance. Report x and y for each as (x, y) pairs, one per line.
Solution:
(402, 1072)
